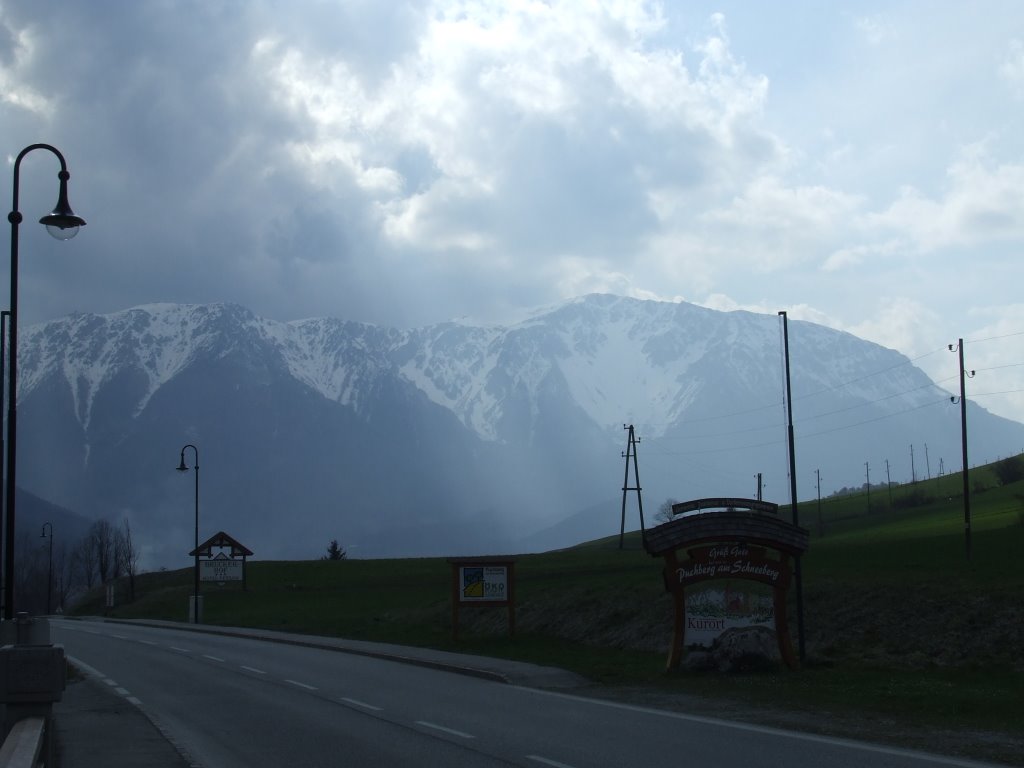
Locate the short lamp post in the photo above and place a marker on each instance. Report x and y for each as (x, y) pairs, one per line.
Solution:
(62, 224)
(183, 467)
(49, 567)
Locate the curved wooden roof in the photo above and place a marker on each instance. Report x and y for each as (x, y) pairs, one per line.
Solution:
(726, 525)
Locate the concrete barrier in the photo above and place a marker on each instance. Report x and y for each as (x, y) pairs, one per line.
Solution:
(23, 746)
(32, 677)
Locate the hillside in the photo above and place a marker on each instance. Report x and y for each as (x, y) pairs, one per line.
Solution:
(901, 626)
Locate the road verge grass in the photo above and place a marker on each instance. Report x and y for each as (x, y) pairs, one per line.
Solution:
(906, 636)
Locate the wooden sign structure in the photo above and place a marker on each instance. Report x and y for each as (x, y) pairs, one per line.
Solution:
(726, 538)
(483, 582)
(222, 567)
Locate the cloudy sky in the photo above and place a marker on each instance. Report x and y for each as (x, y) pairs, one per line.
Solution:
(858, 164)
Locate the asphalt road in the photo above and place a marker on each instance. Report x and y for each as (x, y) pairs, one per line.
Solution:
(228, 701)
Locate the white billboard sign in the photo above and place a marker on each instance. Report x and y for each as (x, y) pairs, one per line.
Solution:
(220, 570)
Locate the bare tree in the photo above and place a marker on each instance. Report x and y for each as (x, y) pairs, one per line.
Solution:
(127, 555)
(664, 513)
(29, 574)
(101, 540)
(84, 561)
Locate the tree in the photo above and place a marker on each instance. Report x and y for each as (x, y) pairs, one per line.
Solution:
(334, 552)
(127, 555)
(664, 513)
(101, 541)
(84, 561)
(1009, 470)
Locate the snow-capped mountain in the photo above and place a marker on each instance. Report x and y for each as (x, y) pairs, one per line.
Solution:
(454, 438)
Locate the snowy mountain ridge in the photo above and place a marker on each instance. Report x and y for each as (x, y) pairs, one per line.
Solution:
(620, 359)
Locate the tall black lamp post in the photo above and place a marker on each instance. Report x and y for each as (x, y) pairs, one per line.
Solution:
(49, 567)
(62, 224)
(3, 379)
(183, 467)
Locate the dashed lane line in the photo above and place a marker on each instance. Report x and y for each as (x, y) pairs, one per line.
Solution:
(212, 658)
(547, 761)
(452, 731)
(302, 685)
(363, 704)
(253, 670)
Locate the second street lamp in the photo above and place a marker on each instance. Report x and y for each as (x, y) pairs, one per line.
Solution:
(49, 568)
(183, 467)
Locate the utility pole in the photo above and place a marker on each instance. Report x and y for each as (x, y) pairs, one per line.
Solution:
(759, 486)
(867, 473)
(821, 527)
(630, 453)
(927, 461)
(888, 481)
(913, 474)
(797, 571)
(963, 441)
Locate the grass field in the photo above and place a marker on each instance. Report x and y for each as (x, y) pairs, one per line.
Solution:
(902, 629)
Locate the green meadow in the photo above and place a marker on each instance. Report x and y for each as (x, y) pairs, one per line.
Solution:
(908, 639)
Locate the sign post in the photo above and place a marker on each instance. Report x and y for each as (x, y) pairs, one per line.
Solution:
(221, 568)
(483, 582)
(729, 577)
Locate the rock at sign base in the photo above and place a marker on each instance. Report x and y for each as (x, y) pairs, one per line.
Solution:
(746, 649)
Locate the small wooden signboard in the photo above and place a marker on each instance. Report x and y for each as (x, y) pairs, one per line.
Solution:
(221, 567)
(483, 582)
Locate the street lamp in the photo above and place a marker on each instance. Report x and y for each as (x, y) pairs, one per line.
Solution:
(183, 467)
(49, 568)
(3, 378)
(62, 224)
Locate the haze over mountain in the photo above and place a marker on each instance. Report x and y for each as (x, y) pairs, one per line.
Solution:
(455, 438)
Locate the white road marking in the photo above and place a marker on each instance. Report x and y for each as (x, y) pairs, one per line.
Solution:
(362, 704)
(172, 740)
(212, 658)
(149, 642)
(253, 669)
(301, 685)
(864, 746)
(546, 761)
(122, 691)
(182, 650)
(441, 728)
(120, 637)
(108, 681)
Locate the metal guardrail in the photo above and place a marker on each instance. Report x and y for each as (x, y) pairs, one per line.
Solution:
(23, 746)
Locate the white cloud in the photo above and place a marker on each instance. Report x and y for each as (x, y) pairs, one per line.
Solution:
(779, 225)
(15, 89)
(875, 29)
(982, 203)
(401, 163)
(1012, 68)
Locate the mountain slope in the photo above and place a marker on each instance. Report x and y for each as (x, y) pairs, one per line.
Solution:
(454, 438)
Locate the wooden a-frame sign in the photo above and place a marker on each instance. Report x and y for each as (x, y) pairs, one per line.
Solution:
(222, 541)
